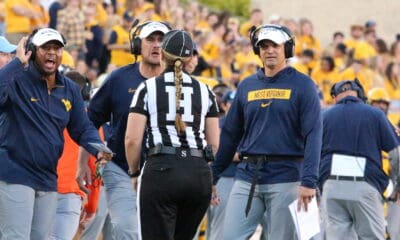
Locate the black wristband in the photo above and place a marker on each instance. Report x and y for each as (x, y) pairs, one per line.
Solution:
(133, 174)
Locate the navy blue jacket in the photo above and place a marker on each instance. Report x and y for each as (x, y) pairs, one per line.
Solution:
(279, 116)
(354, 128)
(111, 104)
(230, 171)
(32, 121)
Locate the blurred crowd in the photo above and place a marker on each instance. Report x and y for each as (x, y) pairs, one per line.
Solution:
(98, 36)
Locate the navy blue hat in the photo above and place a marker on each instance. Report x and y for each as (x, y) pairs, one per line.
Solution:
(347, 85)
(343, 86)
(128, 16)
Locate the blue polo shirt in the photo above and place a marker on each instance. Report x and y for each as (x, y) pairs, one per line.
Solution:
(111, 104)
(277, 116)
(32, 121)
(357, 129)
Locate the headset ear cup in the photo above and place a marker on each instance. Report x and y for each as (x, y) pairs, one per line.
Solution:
(30, 46)
(256, 50)
(289, 45)
(253, 40)
(289, 48)
(136, 46)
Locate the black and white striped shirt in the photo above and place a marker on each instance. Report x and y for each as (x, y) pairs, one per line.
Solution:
(155, 98)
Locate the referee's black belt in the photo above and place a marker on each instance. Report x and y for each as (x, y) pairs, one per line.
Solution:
(183, 152)
(269, 158)
(347, 178)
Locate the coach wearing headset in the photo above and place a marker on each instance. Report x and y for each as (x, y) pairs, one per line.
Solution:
(111, 103)
(355, 134)
(275, 125)
(37, 103)
(181, 118)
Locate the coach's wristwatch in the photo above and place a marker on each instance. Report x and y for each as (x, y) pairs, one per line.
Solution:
(133, 174)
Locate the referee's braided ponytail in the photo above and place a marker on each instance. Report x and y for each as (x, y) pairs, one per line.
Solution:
(179, 123)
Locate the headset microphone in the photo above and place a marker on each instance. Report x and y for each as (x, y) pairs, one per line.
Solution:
(135, 22)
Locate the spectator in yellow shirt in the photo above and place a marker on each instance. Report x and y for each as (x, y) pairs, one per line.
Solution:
(305, 63)
(395, 51)
(360, 70)
(338, 37)
(41, 18)
(233, 25)
(325, 76)
(119, 43)
(191, 65)
(356, 33)
(256, 19)
(203, 24)
(148, 13)
(306, 39)
(383, 57)
(340, 57)
(212, 49)
(18, 14)
(247, 62)
(392, 80)
(392, 86)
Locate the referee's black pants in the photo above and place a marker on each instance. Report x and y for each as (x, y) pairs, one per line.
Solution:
(174, 195)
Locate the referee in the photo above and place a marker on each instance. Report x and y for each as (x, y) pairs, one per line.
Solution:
(180, 115)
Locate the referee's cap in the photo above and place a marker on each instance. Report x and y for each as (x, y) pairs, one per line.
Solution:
(178, 43)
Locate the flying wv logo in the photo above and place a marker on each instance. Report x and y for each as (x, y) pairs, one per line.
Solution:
(67, 104)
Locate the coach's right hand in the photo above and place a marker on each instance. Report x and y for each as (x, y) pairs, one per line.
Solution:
(21, 53)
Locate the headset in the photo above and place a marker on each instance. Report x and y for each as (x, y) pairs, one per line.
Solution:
(136, 42)
(355, 86)
(29, 46)
(288, 46)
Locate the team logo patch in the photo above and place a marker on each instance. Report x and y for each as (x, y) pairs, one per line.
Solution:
(67, 104)
(272, 93)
